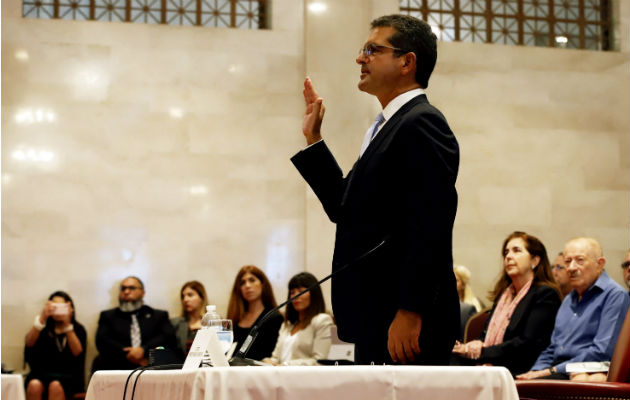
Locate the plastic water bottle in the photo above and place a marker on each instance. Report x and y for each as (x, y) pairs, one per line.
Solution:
(206, 322)
(210, 315)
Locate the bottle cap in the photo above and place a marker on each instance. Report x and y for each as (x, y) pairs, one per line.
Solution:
(211, 307)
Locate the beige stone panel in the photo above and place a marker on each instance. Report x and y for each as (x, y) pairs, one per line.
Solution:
(291, 71)
(478, 247)
(475, 56)
(605, 176)
(576, 208)
(15, 324)
(11, 8)
(516, 205)
(43, 193)
(611, 239)
(287, 15)
(274, 246)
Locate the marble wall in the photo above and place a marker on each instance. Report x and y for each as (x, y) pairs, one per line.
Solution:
(164, 152)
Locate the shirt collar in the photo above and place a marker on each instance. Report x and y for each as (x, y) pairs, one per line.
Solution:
(400, 101)
(601, 283)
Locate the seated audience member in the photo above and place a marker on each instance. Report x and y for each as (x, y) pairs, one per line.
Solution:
(590, 317)
(252, 297)
(305, 335)
(465, 312)
(126, 333)
(55, 351)
(194, 301)
(625, 266)
(469, 305)
(526, 300)
(560, 275)
(464, 290)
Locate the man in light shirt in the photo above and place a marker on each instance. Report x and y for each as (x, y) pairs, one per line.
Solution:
(590, 317)
(399, 303)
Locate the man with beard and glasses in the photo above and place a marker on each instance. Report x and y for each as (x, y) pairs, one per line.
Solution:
(126, 333)
(590, 317)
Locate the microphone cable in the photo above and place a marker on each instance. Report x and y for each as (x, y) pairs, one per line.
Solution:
(142, 369)
(240, 355)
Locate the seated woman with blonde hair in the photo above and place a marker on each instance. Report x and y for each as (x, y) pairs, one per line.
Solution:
(305, 335)
(251, 299)
(526, 300)
(194, 301)
(464, 290)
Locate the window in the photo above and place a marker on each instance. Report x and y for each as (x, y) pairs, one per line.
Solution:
(577, 24)
(244, 14)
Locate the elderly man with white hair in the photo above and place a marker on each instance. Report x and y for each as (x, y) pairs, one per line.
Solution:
(590, 317)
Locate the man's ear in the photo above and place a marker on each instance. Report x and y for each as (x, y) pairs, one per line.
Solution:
(409, 63)
(601, 263)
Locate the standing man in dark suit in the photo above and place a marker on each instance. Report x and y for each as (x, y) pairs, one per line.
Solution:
(126, 333)
(400, 303)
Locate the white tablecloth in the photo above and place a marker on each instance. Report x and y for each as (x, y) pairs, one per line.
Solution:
(12, 387)
(310, 383)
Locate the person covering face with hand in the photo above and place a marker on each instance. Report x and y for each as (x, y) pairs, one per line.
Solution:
(55, 351)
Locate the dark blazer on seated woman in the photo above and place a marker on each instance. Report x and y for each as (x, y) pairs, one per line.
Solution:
(267, 336)
(528, 332)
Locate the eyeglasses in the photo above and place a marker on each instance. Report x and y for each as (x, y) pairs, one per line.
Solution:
(131, 288)
(558, 267)
(625, 265)
(372, 48)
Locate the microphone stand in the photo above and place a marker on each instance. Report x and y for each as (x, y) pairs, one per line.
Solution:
(240, 360)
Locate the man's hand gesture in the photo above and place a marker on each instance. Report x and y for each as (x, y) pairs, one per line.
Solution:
(313, 115)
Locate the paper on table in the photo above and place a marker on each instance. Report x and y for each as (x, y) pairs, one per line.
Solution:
(205, 340)
(588, 366)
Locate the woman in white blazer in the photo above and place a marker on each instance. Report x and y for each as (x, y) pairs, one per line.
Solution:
(304, 336)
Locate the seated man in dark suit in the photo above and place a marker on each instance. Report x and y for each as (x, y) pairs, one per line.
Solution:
(126, 333)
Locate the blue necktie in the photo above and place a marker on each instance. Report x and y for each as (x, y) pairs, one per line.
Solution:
(369, 134)
(377, 122)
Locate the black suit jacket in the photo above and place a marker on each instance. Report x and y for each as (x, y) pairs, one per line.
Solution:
(402, 190)
(528, 332)
(113, 334)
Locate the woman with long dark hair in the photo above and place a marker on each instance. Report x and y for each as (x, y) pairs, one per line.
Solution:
(194, 301)
(305, 335)
(526, 300)
(55, 351)
(251, 299)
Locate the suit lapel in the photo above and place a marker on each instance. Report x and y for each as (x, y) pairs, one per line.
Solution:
(520, 309)
(390, 125)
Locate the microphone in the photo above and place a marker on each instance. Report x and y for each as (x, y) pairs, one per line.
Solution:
(240, 359)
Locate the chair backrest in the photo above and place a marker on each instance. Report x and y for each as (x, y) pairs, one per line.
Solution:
(474, 327)
(619, 370)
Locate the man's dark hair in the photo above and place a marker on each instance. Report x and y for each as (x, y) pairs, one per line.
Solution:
(412, 35)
